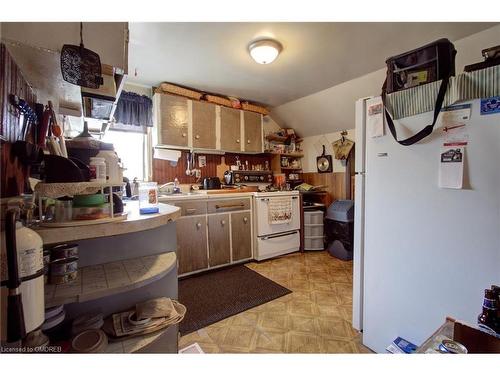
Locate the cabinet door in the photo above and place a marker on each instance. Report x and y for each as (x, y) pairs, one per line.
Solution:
(253, 131)
(218, 240)
(241, 233)
(230, 130)
(173, 121)
(192, 243)
(203, 125)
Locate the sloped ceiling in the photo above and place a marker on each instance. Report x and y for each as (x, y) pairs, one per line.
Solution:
(332, 109)
(214, 56)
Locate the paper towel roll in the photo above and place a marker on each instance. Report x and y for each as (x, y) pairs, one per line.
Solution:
(165, 154)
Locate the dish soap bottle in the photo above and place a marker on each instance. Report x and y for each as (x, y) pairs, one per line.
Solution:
(177, 188)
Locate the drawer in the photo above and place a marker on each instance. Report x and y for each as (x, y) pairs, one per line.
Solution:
(227, 205)
(189, 208)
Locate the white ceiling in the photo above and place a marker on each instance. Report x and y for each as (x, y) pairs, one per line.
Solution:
(214, 57)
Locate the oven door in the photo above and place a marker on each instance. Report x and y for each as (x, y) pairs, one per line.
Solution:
(277, 244)
(262, 217)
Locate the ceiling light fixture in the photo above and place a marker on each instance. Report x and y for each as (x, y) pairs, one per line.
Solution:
(265, 51)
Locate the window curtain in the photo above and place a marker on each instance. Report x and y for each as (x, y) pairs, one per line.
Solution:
(134, 112)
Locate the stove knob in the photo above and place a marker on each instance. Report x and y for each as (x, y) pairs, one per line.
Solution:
(262, 178)
(237, 179)
(246, 178)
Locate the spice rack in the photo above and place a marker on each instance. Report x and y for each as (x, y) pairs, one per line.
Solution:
(63, 189)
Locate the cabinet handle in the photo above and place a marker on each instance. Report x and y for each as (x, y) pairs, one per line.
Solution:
(222, 206)
(237, 141)
(223, 222)
(184, 135)
(245, 220)
(197, 136)
(248, 141)
(198, 225)
(191, 210)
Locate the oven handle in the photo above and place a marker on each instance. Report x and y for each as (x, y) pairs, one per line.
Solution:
(278, 235)
(267, 199)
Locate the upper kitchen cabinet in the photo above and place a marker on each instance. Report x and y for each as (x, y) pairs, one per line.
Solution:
(204, 119)
(253, 131)
(171, 113)
(230, 129)
(185, 123)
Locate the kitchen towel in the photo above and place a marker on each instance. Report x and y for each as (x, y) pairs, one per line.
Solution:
(280, 210)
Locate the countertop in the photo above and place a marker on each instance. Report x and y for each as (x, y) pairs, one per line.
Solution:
(134, 223)
(205, 194)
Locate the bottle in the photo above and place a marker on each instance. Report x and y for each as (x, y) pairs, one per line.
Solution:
(97, 168)
(496, 291)
(177, 188)
(112, 167)
(488, 319)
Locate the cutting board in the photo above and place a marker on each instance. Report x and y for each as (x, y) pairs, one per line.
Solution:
(221, 168)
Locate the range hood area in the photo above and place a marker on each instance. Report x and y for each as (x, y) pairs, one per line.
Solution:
(39, 60)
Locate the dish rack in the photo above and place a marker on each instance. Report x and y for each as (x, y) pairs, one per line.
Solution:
(314, 238)
(62, 189)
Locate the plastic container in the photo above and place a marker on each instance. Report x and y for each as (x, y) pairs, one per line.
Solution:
(92, 213)
(88, 200)
(313, 217)
(314, 243)
(148, 198)
(313, 230)
(112, 165)
(97, 168)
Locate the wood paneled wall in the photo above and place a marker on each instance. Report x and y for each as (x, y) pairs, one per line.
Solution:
(13, 175)
(334, 182)
(163, 172)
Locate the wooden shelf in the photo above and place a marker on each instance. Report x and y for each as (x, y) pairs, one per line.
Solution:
(280, 139)
(106, 279)
(287, 154)
(291, 169)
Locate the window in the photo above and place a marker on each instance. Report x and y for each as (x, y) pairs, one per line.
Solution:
(130, 147)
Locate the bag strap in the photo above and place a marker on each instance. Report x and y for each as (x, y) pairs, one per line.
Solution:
(429, 128)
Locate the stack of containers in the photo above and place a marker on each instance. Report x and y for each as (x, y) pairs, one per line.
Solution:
(313, 230)
(90, 207)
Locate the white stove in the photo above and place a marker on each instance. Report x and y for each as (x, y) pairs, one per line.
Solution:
(277, 223)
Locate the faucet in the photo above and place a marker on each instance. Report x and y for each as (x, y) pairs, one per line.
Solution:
(160, 188)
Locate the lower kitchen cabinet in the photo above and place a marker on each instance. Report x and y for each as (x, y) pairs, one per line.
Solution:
(219, 242)
(241, 233)
(192, 244)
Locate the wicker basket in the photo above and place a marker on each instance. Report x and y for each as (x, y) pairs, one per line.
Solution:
(219, 100)
(254, 108)
(169, 88)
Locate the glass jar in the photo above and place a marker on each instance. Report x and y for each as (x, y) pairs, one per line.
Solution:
(148, 198)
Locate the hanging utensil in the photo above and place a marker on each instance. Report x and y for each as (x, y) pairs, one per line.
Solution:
(81, 66)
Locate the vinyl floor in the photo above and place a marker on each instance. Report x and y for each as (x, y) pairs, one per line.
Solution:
(315, 318)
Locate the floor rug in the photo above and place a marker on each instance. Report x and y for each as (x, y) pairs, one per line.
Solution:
(216, 295)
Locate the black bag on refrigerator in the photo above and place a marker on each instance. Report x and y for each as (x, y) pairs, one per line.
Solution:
(426, 64)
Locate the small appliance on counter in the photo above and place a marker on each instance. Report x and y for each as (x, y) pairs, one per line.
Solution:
(211, 183)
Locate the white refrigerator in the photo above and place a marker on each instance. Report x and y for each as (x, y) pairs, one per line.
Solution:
(422, 252)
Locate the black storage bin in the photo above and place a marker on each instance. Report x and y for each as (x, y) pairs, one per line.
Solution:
(339, 229)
